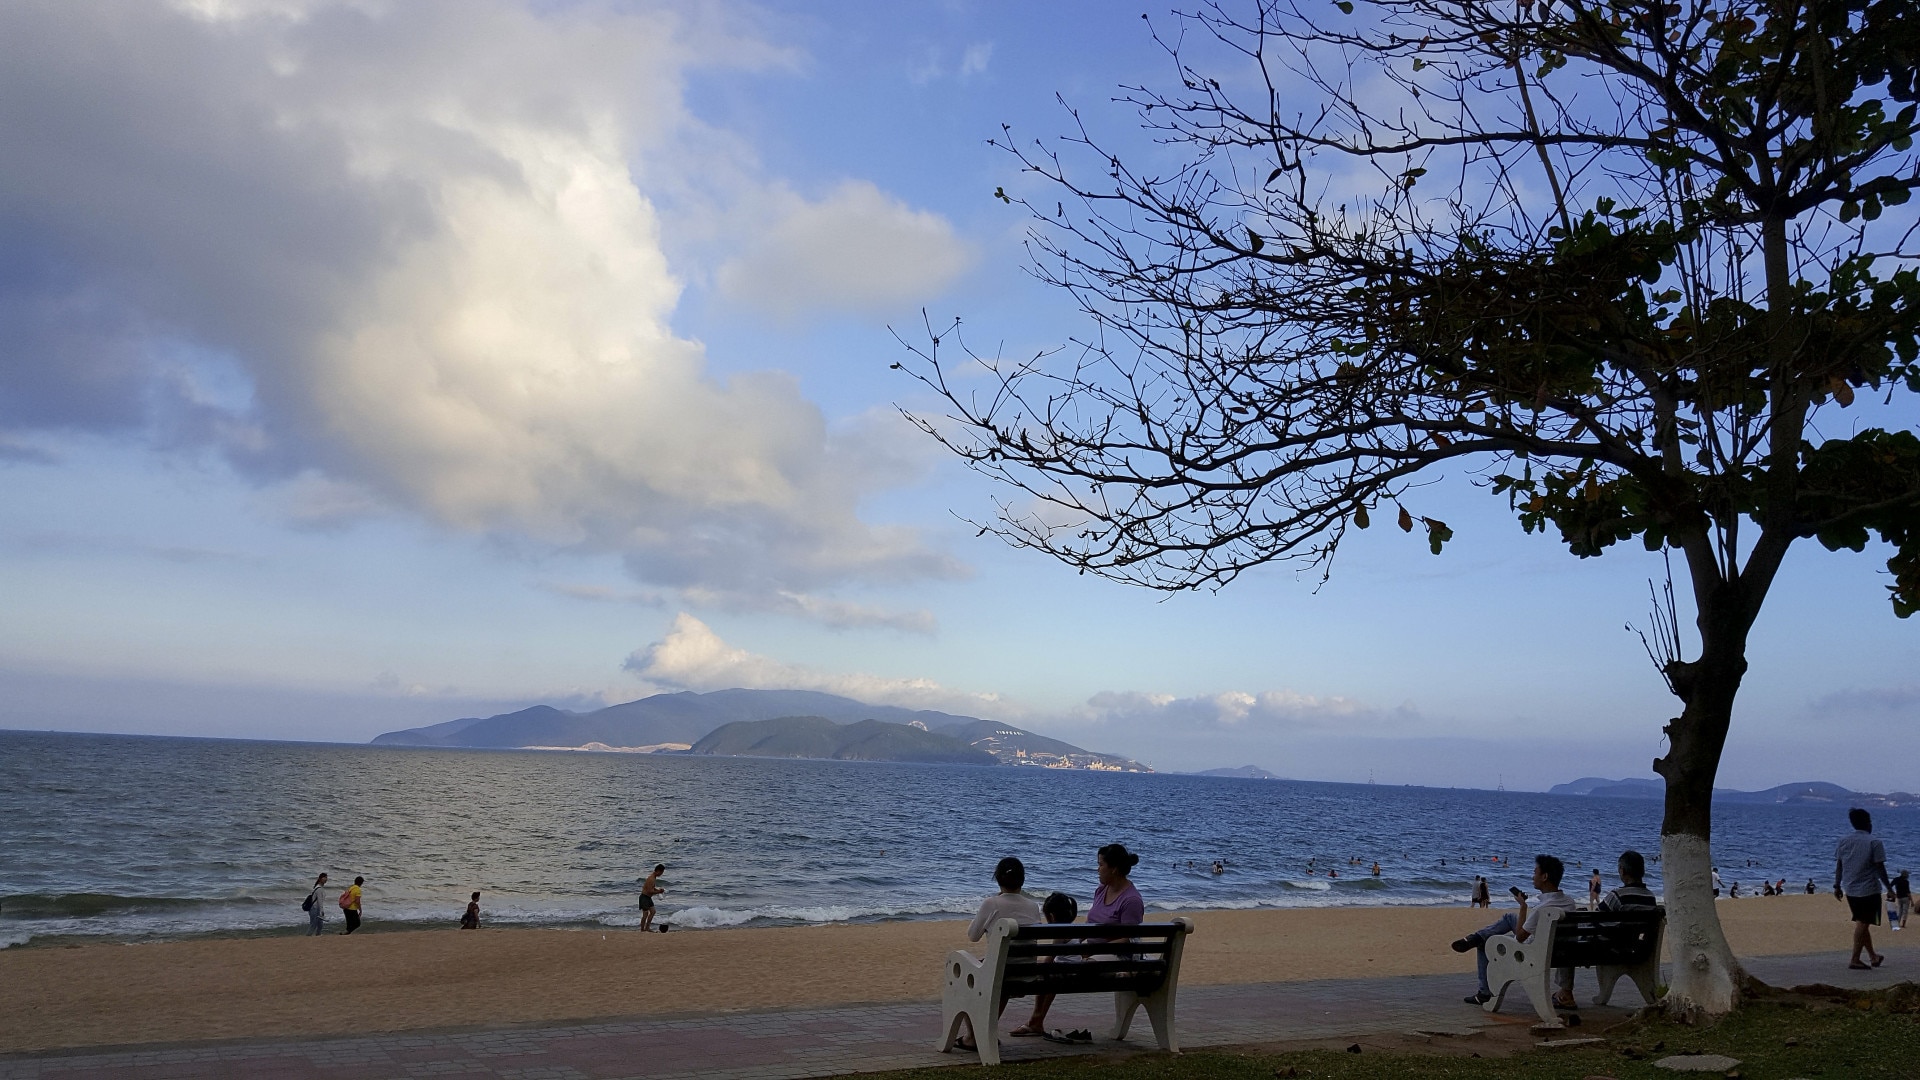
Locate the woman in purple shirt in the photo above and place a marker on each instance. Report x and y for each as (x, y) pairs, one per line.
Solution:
(1116, 900)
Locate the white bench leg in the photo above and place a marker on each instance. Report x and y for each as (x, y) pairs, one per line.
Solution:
(1507, 963)
(1606, 977)
(969, 995)
(1646, 979)
(1124, 1002)
(1160, 1012)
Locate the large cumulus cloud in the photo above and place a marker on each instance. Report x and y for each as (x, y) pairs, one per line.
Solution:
(411, 236)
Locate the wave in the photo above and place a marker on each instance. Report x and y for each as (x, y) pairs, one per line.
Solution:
(707, 917)
(83, 905)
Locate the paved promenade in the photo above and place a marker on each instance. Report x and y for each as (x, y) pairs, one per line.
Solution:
(828, 1042)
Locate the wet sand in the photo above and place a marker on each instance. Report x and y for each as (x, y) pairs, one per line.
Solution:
(115, 994)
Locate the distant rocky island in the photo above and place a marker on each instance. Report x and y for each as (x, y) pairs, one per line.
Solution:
(1812, 793)
(766, 723)
(1244, 772)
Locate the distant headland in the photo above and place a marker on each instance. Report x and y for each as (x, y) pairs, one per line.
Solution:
(1811, 793)
(766, 723)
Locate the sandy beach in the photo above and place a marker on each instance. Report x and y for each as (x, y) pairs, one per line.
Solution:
(117, 994)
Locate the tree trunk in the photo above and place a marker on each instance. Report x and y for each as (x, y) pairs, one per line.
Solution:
(1706, 977)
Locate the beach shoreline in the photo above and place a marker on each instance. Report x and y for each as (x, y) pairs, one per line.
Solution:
(279, 986)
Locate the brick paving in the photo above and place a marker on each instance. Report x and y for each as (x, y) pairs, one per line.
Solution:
(789, 1044)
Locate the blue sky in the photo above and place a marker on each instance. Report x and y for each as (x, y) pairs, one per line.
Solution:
(365, 365)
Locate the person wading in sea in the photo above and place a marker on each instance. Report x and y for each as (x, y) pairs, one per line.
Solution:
(649, 889)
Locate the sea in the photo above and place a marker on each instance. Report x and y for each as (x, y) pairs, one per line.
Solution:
(110, 837)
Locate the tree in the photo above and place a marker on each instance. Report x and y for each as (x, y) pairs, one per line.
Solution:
(1672, 241)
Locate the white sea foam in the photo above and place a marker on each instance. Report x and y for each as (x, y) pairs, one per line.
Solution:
(707, 917)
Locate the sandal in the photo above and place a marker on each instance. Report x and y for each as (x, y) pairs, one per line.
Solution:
(1025, 1032)
(1859, 967)
(1877, 959)
(964, 1043)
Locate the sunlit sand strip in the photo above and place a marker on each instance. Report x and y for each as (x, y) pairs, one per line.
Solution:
(211, 989)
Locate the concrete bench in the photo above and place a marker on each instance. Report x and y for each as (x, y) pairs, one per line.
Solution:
(1613, 943)
(1138, 964)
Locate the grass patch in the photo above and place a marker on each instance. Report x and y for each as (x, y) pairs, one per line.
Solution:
(1843, 1035)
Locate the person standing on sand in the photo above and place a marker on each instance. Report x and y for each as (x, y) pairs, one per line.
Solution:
(350, 905)
(649, 889)
(1593, 890)
(1859, 869)
(316, 906)
(1481, 894)
(471, 919)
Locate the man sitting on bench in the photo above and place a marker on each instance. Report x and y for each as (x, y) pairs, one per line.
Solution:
(1632, 894)
(1523, 924)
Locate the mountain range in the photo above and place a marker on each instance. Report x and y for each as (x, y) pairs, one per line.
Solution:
(1812, 793)
(687, 719)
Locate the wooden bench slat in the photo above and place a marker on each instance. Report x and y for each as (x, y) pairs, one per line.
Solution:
(1035, 970)
(1143, 931)
(1015, 986)
(1088, 948)
(1614, 938)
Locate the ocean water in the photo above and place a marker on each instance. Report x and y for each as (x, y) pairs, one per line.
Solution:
(125, 837)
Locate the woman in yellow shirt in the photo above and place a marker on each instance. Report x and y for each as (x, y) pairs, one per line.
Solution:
(350, 904)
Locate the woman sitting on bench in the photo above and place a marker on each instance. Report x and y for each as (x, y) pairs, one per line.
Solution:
(1009, 903)
(1115, 902)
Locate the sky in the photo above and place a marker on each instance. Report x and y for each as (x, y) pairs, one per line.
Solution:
(365, 365)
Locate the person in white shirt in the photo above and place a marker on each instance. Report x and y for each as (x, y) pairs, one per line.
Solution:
(1009, 903)
(1859, 871)
(1522, 924)
(316, 906)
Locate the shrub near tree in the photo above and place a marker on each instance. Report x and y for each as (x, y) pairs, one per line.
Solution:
(1643, 266)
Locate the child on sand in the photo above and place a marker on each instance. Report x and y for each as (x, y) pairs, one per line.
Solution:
(471, 920)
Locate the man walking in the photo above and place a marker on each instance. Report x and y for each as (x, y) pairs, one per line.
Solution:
(350, 904)
(316, 906)
(1859, 871)
(1523, 924)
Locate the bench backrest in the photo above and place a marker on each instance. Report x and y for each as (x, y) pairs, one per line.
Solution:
(1614, 938)
(1082, 958)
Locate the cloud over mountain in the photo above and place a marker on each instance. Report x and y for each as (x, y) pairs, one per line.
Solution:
(1183, 732)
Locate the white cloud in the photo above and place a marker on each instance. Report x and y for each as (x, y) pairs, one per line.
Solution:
(416, 231)
(975, 59)
(827, 611)
(857, 250)
(693, 657)
(1269, 711)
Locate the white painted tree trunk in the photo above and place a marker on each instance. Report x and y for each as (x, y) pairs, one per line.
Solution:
(1706, 978)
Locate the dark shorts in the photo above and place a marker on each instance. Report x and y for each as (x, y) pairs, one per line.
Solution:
(1866, 909)
(646, 903)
